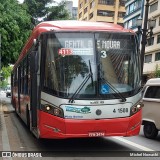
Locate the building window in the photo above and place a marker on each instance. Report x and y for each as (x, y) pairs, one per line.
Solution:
(150, 41)
(132, 22)
(92, 4)
(80, 15)
(74, 12)
(81, 5)
(105, 13)
(106, 2)
(133, 6)
(85, 19)
(157, 56)
(148, 58)
(153, 7)
(91, 15)
(122, 2)
(149, 23)
(121, 24)
(158, 38)
(121, 14)
(85, 10)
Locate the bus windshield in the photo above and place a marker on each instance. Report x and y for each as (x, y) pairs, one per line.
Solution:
(109, 59)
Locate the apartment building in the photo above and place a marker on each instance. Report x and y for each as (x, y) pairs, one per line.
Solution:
(72, 10)
(111, 11)
(134, 10)
(152, 51)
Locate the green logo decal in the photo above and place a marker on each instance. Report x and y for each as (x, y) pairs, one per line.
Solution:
(84, 110)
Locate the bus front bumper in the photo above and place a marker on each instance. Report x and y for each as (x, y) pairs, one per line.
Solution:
(53, 127)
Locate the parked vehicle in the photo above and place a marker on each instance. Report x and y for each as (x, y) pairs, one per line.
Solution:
(151, 109)
(8, 91)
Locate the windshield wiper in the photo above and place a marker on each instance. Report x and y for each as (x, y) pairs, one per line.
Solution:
(114, 89)
(90, 75)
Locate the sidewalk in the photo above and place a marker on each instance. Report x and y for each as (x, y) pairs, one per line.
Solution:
(5, 108)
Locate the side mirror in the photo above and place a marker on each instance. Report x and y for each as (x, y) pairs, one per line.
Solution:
(34, 58)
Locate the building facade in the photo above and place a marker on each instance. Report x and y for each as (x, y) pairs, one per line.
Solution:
(111, 11)
(72, 10)
(152, 51)
(134, 10)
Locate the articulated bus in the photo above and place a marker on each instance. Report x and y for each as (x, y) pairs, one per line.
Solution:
(79, 79)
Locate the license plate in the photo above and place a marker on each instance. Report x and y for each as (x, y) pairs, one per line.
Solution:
(96, 134)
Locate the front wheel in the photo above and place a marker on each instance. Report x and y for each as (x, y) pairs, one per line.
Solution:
(150, 130)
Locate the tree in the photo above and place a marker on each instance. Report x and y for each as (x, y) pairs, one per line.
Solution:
(57, 12)
(157, 71)
(14, 30)
(37, 8)
(46, 10)
(5, 73)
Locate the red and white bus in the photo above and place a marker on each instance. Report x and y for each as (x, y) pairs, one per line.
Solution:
(79, 79)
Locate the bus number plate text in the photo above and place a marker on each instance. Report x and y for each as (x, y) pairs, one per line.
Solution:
(96, 134)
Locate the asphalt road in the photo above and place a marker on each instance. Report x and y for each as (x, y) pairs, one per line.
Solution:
(15, 136)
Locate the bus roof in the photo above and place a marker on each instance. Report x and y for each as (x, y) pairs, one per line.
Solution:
(68, 25)
(81, 25)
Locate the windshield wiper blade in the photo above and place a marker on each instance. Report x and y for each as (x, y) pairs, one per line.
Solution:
(114, 89)
(90, 75)
(90, 68)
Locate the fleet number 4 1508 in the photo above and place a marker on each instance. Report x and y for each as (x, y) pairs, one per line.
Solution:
(121, 110)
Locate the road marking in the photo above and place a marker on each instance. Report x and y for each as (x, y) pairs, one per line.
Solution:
(133, 144)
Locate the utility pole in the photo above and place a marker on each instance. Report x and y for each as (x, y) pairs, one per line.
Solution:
(144, 34)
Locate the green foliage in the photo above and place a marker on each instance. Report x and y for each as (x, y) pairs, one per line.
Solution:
(17, 20)
(57, 12)
(5, 73)
(37, 8)
(157, 71)
(42, 9)
(3, 84)
(14, 30)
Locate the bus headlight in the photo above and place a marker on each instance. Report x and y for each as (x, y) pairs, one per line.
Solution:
(136, 108)
(52, 110)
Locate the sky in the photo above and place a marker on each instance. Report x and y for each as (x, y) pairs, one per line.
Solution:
(75, 2)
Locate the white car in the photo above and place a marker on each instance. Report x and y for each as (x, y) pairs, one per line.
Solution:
(151, 109)
(8, 91)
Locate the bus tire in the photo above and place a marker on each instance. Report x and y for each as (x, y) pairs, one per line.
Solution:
(150, 130)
